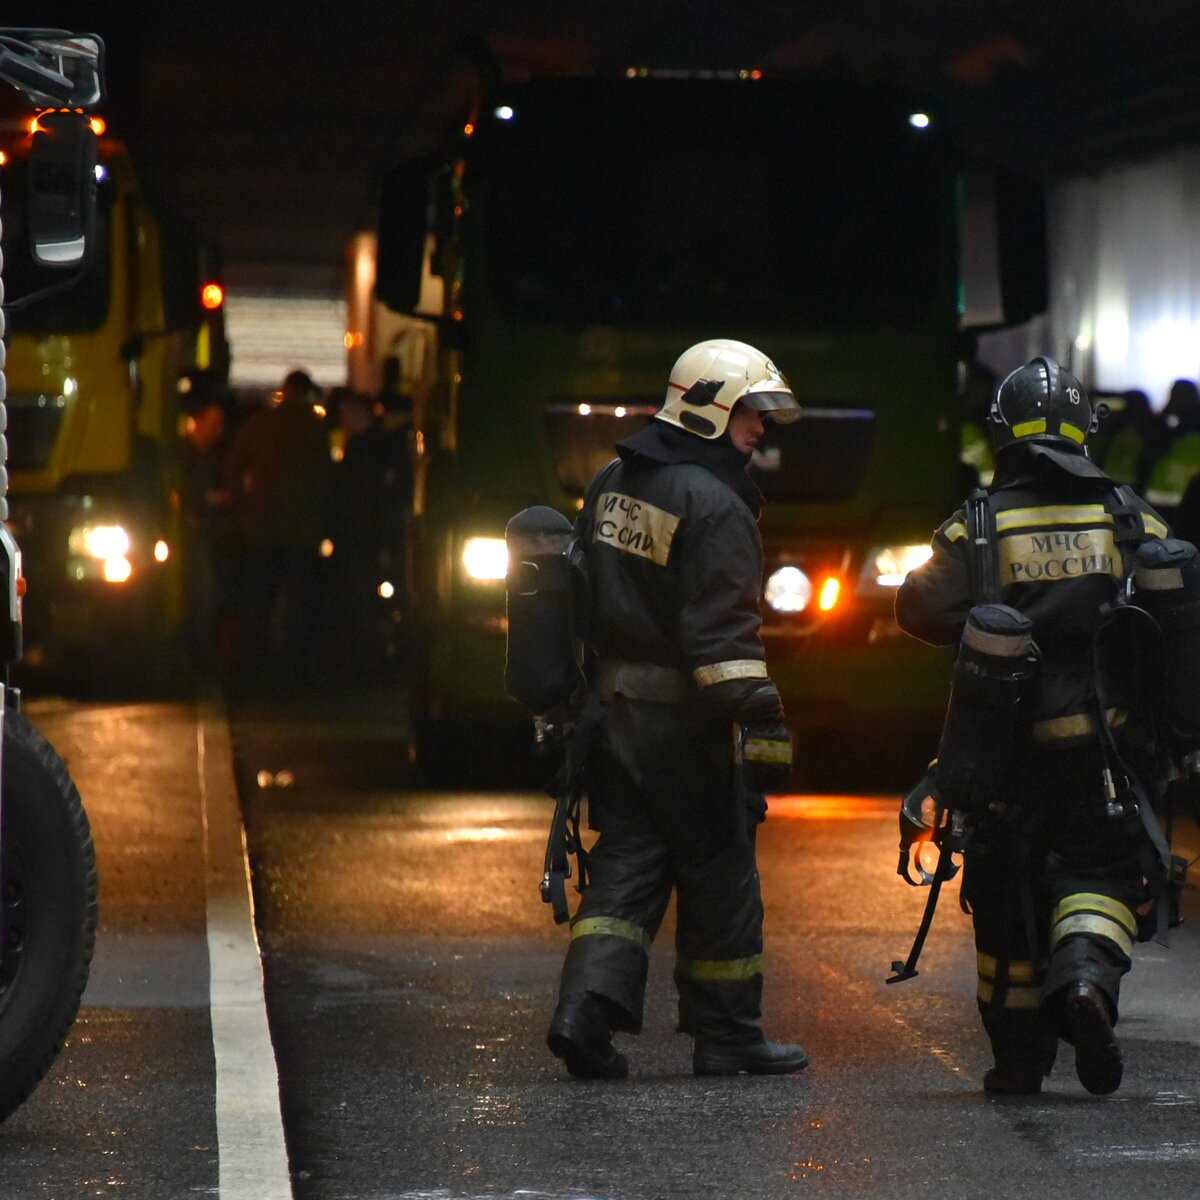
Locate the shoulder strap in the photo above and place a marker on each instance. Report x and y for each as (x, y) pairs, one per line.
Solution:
(1128, 530)
(982, 551)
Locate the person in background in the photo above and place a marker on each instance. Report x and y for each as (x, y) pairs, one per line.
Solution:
(1176, 452)
(207, 546)
(280, 479)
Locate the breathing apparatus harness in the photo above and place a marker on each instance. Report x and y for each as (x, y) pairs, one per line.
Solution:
(963, 793)
(996, 662)
(543, 673)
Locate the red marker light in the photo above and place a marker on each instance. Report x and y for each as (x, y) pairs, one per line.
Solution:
(212, 295)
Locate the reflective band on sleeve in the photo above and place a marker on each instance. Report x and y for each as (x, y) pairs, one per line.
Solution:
(1053, 514)
(720, 970)
(1094, 902)
(766, 750)
(1019, 971)
(1153, 526)
(1095, 924)
(610, 927)
(1071, 431)
(955, 531)
(1024, 996)
(1028, 428)
(734, 668)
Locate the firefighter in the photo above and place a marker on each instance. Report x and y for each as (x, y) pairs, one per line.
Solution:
(1055, 882)
(675, 661)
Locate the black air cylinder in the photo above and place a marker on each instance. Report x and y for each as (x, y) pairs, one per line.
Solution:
(1166, 581)
(996, 660)
(542, 670)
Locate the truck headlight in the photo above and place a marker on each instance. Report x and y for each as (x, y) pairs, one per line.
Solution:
(886, 566)
(788, 590)
(485, 559)
(99, 552)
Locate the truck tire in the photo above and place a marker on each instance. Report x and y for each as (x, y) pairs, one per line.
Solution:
(48, 887)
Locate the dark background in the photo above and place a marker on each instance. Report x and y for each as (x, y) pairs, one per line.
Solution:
(270, 123)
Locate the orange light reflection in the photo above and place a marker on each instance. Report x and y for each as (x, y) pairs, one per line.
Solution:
(832, 808)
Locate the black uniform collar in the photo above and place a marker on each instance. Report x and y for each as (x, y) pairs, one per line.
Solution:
(663, 443)
(1020, 464)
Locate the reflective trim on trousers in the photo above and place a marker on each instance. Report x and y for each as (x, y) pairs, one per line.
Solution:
(1016, 995)
(1022, 989)
(610, 927)
(719, 970)
(1096, 914)
(1019, 971)
(1096, 925)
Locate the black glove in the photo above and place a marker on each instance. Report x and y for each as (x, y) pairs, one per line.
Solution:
(766, 756)
(766, 743)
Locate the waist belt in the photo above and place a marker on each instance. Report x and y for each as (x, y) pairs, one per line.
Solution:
(1074, 726)
(643, 681)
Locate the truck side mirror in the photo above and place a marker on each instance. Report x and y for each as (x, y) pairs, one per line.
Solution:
(62, 189)
(52, 67)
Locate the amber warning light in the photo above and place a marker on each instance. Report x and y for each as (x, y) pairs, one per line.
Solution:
(212, 295)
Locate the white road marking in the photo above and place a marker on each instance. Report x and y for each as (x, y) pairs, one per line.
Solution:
(252, 1155)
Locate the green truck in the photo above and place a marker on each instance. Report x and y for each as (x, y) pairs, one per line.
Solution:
(573, 236)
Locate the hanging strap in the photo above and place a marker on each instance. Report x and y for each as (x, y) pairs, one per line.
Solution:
(568, 789)
(982, 551)
(944, 870)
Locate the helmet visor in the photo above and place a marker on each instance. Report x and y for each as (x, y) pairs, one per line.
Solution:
(779, 406)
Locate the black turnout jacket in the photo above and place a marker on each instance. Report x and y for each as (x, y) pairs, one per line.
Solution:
(1059, 563)
(675, 563)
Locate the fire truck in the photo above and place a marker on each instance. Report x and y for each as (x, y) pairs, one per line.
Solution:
(541, 271)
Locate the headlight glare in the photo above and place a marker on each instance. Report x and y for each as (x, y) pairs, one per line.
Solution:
(485, 559)
(96, 551)
(788, 590)
(886, 566)
(98, 541)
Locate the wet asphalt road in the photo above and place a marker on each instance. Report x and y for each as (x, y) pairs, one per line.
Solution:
(127, 1110)
(411, 971)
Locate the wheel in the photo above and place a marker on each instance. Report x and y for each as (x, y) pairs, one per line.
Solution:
(48, 916)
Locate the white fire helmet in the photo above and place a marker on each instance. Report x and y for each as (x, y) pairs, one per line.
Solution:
(711, 377)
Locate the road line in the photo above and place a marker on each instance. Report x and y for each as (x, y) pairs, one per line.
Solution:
(252, 1154)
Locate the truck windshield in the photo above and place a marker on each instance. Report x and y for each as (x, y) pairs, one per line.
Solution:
(78, 308)
(715, 203)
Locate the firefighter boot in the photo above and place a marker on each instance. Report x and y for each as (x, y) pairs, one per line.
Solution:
(756, 1056)
(1024, 1050)
(581, 1035)
(1097, 1055)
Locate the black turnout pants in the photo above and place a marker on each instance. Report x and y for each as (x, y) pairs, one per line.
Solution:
(1053, 900)
(664, 798)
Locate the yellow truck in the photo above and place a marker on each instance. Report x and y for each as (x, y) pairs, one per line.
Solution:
(93, 421)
